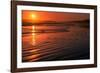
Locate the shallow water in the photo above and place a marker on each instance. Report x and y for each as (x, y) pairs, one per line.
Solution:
(71, 44)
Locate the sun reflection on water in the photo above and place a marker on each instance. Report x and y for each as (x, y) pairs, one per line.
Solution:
(33, 36)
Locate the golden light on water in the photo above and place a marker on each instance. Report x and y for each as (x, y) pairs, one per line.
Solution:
(33, 36)
(33, 30)
(34, 17)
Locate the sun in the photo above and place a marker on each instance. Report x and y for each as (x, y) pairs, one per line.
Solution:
(33, 16)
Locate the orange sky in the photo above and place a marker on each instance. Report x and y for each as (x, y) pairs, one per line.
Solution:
(36, 16)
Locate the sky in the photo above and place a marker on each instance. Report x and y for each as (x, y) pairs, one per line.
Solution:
(37, 16)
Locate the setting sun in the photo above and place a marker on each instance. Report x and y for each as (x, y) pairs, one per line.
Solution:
(33, 16)
(30, 16)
